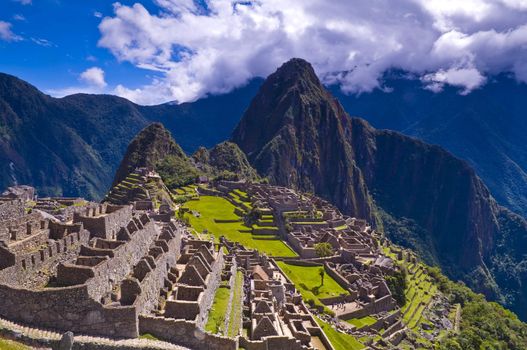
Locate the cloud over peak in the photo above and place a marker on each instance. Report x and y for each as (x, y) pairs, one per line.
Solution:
(93, 76)
(213, 46)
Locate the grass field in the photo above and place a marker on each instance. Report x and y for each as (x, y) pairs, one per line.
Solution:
(216, 321)
(340, 341)
(362, 322)
(211, 208)
(307, 281)
(236, 307)
(11, 345)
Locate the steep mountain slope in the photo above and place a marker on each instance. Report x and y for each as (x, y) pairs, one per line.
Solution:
(72, 146)
(225, 159)
(155, 148)
(297, 134)
(62, 146)
(148, 148)
(486, 127)
(294, 133)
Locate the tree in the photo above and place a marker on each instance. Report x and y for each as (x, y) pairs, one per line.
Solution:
(323, 249)
(321, 273)
(397, 285)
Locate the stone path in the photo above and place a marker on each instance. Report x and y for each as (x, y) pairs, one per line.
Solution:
(46, 338)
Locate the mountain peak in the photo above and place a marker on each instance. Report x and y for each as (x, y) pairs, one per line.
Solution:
(148, 147)
(296, 69)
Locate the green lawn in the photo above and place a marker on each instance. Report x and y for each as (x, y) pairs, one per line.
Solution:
(211, 207)
(340, 341)
(11, 345)
(216, 321)
(307, 281)
(362, 322)
(236, 307)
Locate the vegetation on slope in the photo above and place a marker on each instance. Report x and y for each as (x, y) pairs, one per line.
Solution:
(484, 325)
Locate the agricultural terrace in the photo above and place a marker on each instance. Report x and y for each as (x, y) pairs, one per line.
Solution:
(308, 281)
(340, 341)
(216, 216)
(419, 292)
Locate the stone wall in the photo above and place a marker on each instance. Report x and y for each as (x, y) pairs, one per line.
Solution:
(210, 291)
(26, 265)
(104, 221)
(184, 333)
(11, 209)
(383, 304)
(154, 280)
(268, 343)
(115, 269)
(68, 308)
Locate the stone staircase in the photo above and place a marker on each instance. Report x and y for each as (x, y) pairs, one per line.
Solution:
(45, 338)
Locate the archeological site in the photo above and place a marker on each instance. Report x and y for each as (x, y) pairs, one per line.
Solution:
(233, 265)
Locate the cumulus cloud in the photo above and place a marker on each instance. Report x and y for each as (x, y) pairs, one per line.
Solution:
(93, 83)
(467, 78)
(213, 46)
(6, 33)
(93, 76)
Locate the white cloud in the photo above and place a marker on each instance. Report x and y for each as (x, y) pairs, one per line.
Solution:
(24, 2)
(201, 50)
(19, 17)
(467, 78)
(93, 76)
(6, 33)
(97, 14)
(42, 42)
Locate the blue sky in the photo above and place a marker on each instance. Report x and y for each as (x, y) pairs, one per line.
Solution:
(59, 42)
(154, 51)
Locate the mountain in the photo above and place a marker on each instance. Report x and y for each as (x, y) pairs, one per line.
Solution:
(225, 160)
(294, 133)
(148, 148)
(72, 146)
(486, 127)
(66, 146)
(297, 134)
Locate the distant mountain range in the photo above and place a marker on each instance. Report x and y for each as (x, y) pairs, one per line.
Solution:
(486, 128)
(72, 146)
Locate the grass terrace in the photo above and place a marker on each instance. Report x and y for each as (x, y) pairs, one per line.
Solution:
(340, 341)
(419, 291)
(12, 345)
(362, 322)
(217, 217)
(216, 321)
(307, 281)
(236, 307)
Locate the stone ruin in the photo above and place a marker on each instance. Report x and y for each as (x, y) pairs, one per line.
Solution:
(121, 270)
(357, 261)
(274, 312)
(107, 270)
